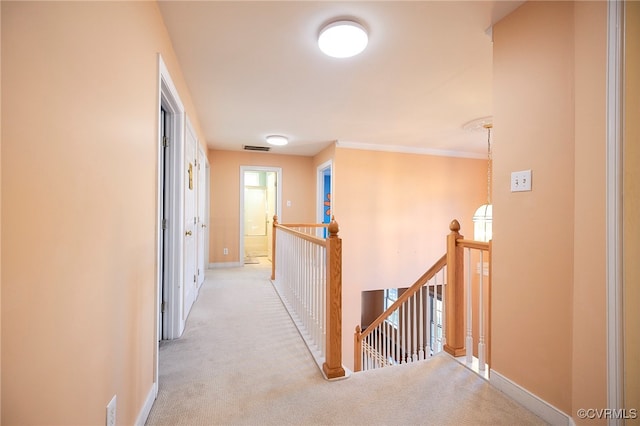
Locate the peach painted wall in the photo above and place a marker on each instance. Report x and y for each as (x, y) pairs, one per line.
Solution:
(79, 174)
(589, 360)
(298, 186)
(394, 212)
(631, 213)
(325, 155)
(548, 310)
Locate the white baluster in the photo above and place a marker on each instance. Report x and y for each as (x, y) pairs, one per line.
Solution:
(388, 337)
(365, 366)
(421, 324)
(368, 353)
(429, 315)
(401, 340)
(320, 306)
(365, 347)
(414, 328)
(469, 309)
(322, 295)
(312, 293)
(407, 331)
(381, 351)
(444, 309)
(407, 334)
(382, 347)
(481, 345)
(377, 347)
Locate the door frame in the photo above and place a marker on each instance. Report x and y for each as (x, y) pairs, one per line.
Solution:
(320, 188)
(243, 169)
(172, 197)
(615, 85)
(203, 214)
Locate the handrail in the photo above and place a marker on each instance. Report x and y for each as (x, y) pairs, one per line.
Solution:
(305, 225)
(304, 236)
(431, 272)
(472, 244)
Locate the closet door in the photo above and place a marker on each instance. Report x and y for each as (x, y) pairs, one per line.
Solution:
(189, 283)
(203, 219)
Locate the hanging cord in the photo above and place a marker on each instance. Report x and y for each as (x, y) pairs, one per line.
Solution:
(488, 127)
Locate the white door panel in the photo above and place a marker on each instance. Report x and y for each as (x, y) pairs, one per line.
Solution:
(202, 227)
(190, 221)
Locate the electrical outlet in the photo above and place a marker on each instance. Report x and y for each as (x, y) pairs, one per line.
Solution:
(225, 251)
(521, 181)
(111, 412)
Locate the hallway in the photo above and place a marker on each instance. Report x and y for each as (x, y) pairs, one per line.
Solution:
(242, 361)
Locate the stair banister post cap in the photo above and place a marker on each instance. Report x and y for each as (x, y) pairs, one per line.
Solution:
(454, 226)
(333, 227)
(275, 219)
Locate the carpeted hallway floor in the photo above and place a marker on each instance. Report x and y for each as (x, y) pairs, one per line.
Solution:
(241, 361)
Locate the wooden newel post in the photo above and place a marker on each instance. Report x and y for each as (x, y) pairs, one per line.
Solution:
(332, 366)
(357, 350)
(454, 303)
(273, 248)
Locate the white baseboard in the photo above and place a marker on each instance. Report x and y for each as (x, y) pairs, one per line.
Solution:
(148, 404)
(533, 403)
(225, 265)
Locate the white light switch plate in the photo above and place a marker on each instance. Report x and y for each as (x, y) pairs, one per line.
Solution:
(521, 181)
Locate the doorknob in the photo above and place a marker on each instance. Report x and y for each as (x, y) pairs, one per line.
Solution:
(204, 225)
(188, 233)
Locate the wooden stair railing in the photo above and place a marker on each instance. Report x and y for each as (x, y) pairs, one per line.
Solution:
(465, 307)
(307, 274)
(411, 339)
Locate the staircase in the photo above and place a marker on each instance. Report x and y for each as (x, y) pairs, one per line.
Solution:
(413, 329)
(446, 309)
(410, 329)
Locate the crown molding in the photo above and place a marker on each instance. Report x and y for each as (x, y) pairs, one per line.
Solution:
(409, 150)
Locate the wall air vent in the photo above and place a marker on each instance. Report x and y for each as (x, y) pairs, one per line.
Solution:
(256, 148)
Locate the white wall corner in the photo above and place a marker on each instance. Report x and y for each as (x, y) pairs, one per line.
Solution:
(533, 403)
(148, 404)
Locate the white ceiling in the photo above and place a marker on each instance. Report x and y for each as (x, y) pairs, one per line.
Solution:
(254, 69)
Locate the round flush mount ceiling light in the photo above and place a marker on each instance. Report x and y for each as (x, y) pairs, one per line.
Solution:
(343, 39)
(277, 140)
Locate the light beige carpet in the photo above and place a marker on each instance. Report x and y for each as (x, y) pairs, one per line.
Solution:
(241, 361)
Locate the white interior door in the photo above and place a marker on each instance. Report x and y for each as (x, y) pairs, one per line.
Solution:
(189, 281)
(255, 221)
(272, 198)
(203, 222)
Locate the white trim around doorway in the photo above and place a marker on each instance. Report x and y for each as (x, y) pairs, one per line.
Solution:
(320, 188)
(615, 83)
(278, 171)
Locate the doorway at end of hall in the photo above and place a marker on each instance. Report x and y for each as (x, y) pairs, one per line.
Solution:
(260, 200)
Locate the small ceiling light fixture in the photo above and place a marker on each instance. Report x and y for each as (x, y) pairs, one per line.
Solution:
(277, 140)
(342, 39)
